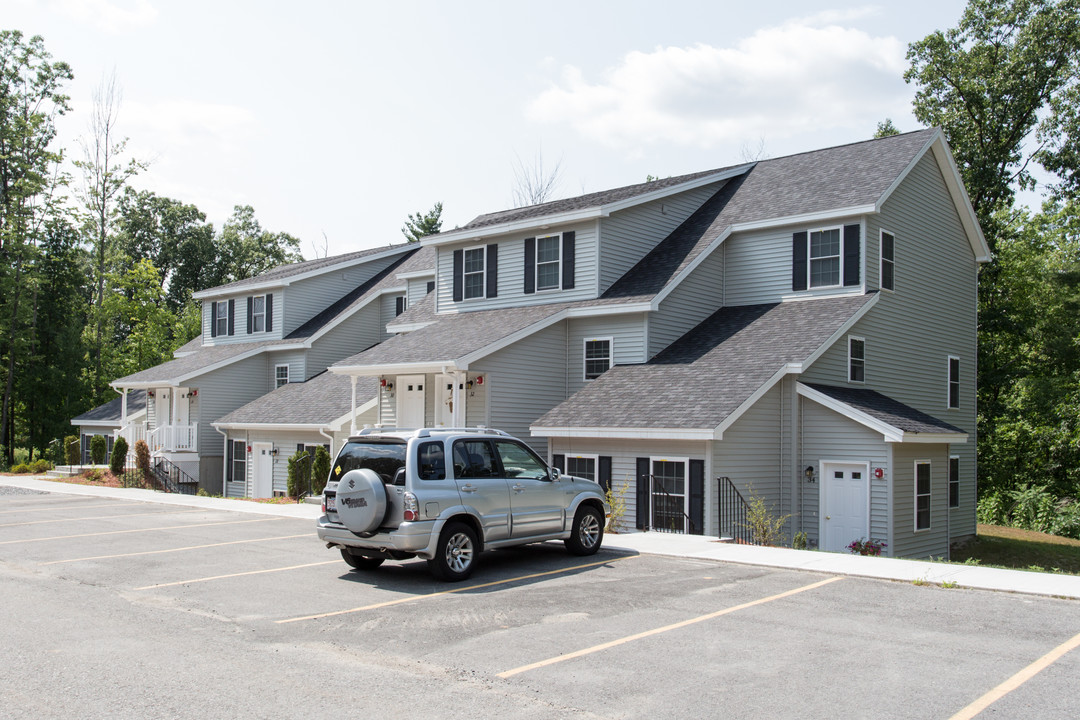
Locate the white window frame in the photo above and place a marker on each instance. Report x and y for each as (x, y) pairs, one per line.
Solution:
(685, 461)
(567, 457)
(223, 318)
(557, 263)
(929, 495)
(482, 272)
(852, 360)
(242, 461)
(258, 317)
(950, 382)
(954, 481)
(891, 261)
(277, 375)
(810, 258)
(585, 355)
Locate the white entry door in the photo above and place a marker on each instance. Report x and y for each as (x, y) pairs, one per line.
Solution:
(444, 401)
(262, 470)
(410, 401)
(845, 505)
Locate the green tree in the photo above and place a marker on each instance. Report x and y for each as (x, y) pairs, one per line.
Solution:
(886, 128)
(421, 224)
(145, 329)
(244, 249)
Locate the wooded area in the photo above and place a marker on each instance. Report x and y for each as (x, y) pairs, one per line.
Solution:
(96, 276)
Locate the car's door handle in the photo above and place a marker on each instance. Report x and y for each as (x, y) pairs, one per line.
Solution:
(468, 488)
(519, 488)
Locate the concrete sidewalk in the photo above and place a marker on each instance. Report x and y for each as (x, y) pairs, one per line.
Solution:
(653, 543)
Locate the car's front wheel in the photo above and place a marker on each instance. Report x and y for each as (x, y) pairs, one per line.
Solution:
(587, 532)
(359, 562)
(455, 554)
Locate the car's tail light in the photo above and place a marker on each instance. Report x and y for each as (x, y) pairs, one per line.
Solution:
(412, 508)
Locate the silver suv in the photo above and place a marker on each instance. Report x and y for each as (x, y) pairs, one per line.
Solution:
(447, 494)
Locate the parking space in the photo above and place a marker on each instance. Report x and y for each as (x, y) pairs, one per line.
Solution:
(613, 635)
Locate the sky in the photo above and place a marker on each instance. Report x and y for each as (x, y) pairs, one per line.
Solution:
(335, 120)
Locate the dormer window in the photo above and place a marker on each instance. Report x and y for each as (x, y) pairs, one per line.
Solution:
(826, 258)
(474, 273)
(258, 313)
(547, 262)
(221, 318)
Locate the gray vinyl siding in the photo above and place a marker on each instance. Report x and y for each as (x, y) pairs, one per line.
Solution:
(923, 543)
(757, 265)
(240, 333)
(387, 312)
(696, 298)
(932, 314)
(295, 359)
(628, 235)
(304, 299)
(221, 392)
(511, 273)
(827, 436)
(417, 289)
(476, 404)
(524, 381)
(358, 332)
(628, 343)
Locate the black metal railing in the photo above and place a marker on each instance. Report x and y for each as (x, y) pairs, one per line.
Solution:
(663, 517)
(173, 479)
(733, 509)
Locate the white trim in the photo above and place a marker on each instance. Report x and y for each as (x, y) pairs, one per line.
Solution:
(610, 340)
(482, 272)
(415, 274)
(400, 328)
(882, 232)
(839, 256)
(298, 427)
(288, 378)
(559, 263)
(915, 498)
(851, 339)
(601, 310)
(260, 314)
(582, 456)
(654, 433)
(890, 433)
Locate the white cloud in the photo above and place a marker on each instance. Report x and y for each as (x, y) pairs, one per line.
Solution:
(805, 75)
(111, 16)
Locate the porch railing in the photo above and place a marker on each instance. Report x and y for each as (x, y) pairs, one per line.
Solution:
(173, 438)
(733, 507)
(173, 479)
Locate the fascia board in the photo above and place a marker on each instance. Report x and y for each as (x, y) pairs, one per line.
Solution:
(935, 438)
(221, 291)
(298, 427)
(600, 310)
(613, 432)
(805, 218)
(732, 418)
(96, 423)
(506, 228)
(464, 361)
(428, 366)
(890, 433)
(676, 189)
(398, 328)
(415, 274)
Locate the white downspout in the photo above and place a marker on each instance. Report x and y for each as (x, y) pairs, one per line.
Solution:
(352, 415)
(331, 437)
(224, 465)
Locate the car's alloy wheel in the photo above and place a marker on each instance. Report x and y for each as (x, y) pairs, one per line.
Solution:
(587, 531)
(455, 555)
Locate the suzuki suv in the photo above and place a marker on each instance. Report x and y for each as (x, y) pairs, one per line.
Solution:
(446, 495)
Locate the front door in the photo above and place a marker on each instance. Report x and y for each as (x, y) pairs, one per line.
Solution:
(410, 401)
(444, 401)
(845, 505)
(262, 470)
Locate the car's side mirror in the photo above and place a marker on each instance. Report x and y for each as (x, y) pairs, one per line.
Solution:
(554, 474)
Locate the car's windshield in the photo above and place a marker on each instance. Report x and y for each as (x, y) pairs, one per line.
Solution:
(383, 456)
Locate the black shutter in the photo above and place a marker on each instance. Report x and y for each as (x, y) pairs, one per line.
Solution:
(251, 309)
(228, 460)
(269, 322)
(459, 275)
(559, 461)
(232, 317)
(642, 493)
(430, 285)
(530, 265)
(697, 497)
(399, 305)
(851, 255)
(492, 271)
(213, 319)
(798, 261)
(568, 260)
(603, 472)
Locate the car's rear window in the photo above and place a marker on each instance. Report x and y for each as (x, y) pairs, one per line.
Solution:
(385, 457)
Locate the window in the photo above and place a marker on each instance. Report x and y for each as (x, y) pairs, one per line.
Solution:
(258, 313)
(856, 359)
(954, 481)
(281, 375)
(669, 495)
(399, 305)
(518, 461)
(887, 268)
(474, 273)
(474, 459)
(582, 466)
(922, 494)
(431, 461)
(237, 467)
(547, 262)
(221, 318)
(954, 382)
(597, 357)
(825, 258)
(430, 285)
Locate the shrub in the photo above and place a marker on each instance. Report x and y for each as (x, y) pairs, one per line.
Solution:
(799, 542)
(299, 474)
(119, 457)
(142, 457)
(765, 528)
(320, 473)
(98, 450)
(41, 465)
(21, 469)
(95, 475)
(867, 547)
(71, 449)
(616, 500)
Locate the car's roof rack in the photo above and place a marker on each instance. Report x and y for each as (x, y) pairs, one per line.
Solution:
(427, 431)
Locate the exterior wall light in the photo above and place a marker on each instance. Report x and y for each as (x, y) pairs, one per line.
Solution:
(809, 473)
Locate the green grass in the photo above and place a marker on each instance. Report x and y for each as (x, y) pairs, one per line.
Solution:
(1021, 550)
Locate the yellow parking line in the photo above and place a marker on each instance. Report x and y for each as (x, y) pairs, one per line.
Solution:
(67, 507)
(135, 530)
(234, 575)
(1017, 680)
(172, 550)
(664, 629)
(399, 601)
(101, 517)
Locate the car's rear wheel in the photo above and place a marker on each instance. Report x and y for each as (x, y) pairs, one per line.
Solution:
(587, 532)
(359, 562)
(455, 554)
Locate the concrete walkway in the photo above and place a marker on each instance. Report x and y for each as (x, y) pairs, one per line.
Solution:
(653, 543)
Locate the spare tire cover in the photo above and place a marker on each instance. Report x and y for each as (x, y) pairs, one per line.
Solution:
(361, 500)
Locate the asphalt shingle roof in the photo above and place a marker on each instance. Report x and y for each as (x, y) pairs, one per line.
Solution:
(110, 411)
(887, 410)
(705, 375)
(283, 272)
(320, 400)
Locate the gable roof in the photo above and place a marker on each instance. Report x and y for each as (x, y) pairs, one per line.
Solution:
(109, 413)
(896, 421)
(320, 401)
(703, 381)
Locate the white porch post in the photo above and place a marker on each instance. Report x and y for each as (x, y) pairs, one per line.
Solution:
(458, 418)
(123, 407)
(352, 415)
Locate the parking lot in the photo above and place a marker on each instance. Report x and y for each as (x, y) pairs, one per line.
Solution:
(130, 609)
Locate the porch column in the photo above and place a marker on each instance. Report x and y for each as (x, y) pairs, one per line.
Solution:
(352, 415)
(458, 419)
(123, 407)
